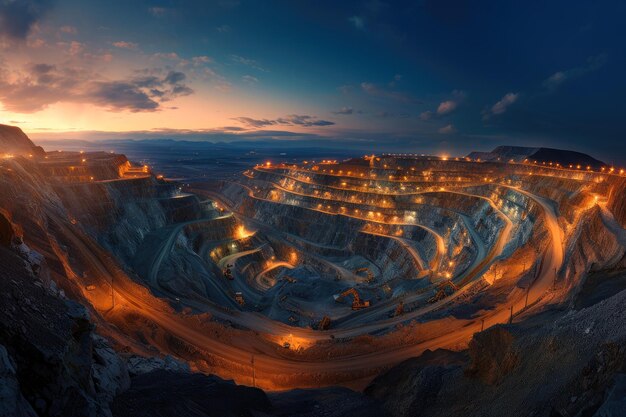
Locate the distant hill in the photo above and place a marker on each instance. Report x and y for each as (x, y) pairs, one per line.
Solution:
(14, 141)
(520, 153)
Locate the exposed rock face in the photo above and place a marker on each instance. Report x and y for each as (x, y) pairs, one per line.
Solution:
(6, 231)
(191, 395)
(14, 141)
(12, 403)
(196, 395)
(138, 365)
(327, 402)
(615, 404)
(556, 364)
(493, 355)
(413, 386)
(51, 361)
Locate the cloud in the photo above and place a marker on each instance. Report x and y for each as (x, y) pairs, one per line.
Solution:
(290, 120)
(345, 89)
(555, 80)
(172, 56)
(202, 59)
(396, 79)
(69, 30)
(122, 95)
(501, 106)
(446, 130)
(357, 21)
(223, 29)
(427, 115)
(250, 79)
(345, 111)
(446, 107)
(157, 11)
(125, 45)
(41, 85)
(76, 48)
(17, 18)
(247, 62)
(377, 91)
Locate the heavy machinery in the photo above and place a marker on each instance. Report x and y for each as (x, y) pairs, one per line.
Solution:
(324, 323)
(228, 273)
(357, 303)
(444, 290)
(369, 274)
(239, 298)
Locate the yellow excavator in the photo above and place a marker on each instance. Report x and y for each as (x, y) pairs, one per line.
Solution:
(444, 290)
(357, 303)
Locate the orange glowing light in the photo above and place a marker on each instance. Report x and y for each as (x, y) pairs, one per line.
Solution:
(242, 233)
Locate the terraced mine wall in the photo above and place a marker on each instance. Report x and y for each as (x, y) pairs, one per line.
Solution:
(120, 213)
(69, 167)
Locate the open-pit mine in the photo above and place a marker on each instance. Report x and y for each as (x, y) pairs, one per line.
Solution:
(316, 273)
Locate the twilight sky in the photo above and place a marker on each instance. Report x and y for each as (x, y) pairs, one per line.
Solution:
(420, 76)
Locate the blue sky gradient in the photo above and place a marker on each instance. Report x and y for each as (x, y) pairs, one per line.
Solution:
(426, 75)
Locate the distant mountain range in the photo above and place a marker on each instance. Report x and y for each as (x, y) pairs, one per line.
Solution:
(547, 155)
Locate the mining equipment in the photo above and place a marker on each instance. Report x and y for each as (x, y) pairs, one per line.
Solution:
(228, 273)
(239, 298)
(444, 290)
(290, 279)
(370, 276)
(324, 323)
(357, 303)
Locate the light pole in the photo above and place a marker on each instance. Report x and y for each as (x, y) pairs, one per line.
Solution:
(112, 292)
(253, 371)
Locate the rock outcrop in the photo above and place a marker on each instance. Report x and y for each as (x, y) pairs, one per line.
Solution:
(51, 361)
(191, 395)
(557, 364)
(14, 141)
(492, 355)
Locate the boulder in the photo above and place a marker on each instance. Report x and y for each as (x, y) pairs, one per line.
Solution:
(492, 355)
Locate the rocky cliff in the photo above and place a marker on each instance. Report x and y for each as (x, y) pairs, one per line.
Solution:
(14, 141)
(51, 361)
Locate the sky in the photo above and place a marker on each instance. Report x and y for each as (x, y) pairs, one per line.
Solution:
(414, 76)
